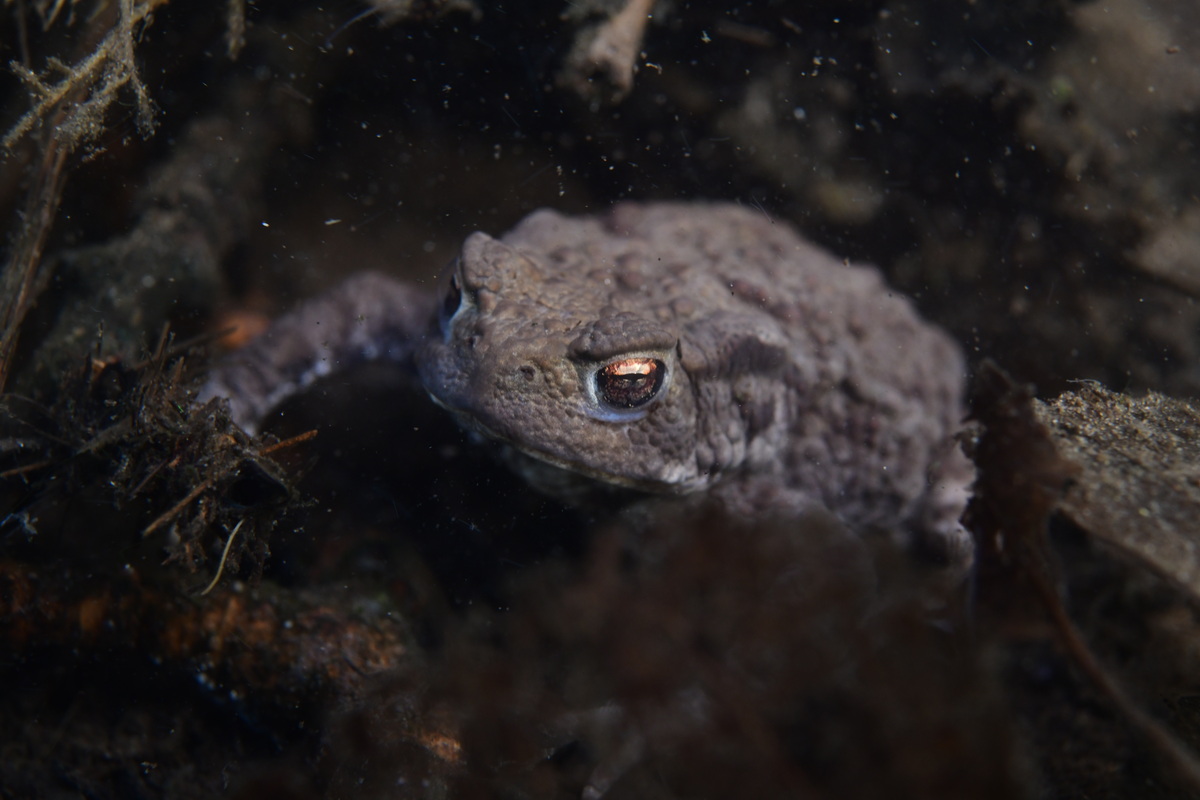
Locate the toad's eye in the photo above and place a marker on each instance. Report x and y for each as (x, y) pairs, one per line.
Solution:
(630, 382)
(452, 298)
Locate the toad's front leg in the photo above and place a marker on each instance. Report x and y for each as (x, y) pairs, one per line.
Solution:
(369, 317)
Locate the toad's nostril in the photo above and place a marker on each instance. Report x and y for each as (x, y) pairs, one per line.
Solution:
(527, 372)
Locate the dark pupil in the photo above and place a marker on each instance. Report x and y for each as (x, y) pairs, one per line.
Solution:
(630, 382)
(452, 299)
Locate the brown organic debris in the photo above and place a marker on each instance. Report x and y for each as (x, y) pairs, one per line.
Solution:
(128, 437)
(1021, 476)
(277, 648)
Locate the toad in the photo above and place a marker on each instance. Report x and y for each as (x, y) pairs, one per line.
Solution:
(664, 348)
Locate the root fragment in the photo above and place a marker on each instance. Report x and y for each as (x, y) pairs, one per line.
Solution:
(609, 53)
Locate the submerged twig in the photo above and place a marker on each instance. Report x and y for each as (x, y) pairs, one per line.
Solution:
(26, 468)
(289, 442)
(1180, 758)
(235, 28)
(94, 81)
(23, 277)
(175, 510)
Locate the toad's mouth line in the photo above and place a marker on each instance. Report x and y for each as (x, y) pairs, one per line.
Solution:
(564, 463)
